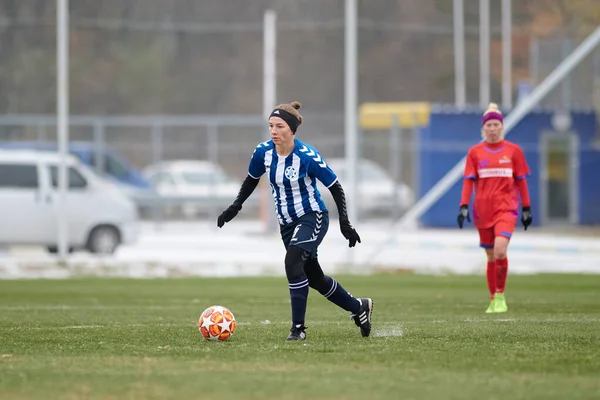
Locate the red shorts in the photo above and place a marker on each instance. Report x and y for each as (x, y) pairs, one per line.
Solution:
(504, 226)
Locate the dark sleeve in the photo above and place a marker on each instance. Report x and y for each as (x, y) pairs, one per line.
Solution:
(340, 200)
(246, 190)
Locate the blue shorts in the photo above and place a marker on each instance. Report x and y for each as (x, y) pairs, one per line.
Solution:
(307, 232)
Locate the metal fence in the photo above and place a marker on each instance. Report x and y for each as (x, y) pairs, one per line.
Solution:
(226, 141)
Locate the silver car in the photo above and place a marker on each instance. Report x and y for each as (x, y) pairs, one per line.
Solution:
(376, 191)
(192, 187)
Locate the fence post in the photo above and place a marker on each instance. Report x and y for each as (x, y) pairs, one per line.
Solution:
(157, 154)
(157, 143)
(99, 145)
(395, 160)
(213, 148)
(42, 133)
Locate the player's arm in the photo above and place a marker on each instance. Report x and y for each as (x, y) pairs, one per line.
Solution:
(524, 193)
(467, 190)
(339, 196)
(320, 170)
(470, 174)
(246, 190)
(521, 172)
(255, 170)
(337, 192)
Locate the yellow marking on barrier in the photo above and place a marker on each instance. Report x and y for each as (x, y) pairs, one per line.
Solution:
(380, 115)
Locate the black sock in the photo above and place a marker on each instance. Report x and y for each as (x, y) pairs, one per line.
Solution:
(338, 295)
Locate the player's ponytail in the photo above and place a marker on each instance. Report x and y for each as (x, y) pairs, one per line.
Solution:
(493, 107)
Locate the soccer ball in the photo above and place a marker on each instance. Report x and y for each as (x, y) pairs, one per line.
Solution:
(216, 323)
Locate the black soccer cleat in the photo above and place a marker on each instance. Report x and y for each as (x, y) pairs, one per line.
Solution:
(298, 332)
(362, 318)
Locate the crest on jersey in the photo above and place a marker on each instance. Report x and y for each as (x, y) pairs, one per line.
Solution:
(505, 160)
(291, 173)
(484, 163)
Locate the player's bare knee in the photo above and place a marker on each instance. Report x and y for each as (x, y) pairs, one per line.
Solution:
(500, 247)
(500, 254)
(490, 255)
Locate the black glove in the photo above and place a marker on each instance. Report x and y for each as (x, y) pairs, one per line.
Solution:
(526, 216)
(349, 233)
(463, 213)
(228, 214)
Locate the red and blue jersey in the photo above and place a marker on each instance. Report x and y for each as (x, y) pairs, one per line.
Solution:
(495, 170)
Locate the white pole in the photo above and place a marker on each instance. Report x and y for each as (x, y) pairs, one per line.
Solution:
(269, 99)
(506, 54)
(484, 53)
(269, 62)
(460, 92)
(62, 99)
(439, 189)
(351, 104)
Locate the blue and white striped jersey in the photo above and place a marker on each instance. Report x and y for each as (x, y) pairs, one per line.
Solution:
(292, 178)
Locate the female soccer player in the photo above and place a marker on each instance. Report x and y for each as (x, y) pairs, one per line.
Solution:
(292, 168)
(497, 168)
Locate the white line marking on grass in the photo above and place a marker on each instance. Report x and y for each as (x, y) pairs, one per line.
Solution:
(388, 332)
(60, 307)
(478, 320)
(380, 330)
(83, 327)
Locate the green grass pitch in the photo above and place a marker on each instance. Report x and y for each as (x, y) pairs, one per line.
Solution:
(138, 339)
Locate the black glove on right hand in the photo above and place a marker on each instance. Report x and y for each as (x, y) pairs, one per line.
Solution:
(228, 214)
(526, 217)
(349, 233)
(462, 215)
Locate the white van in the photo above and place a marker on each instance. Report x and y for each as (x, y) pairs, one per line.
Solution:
(100, 217)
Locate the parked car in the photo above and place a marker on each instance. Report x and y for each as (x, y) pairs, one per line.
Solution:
(192, 186)
(100, 217)
(375, 188)
(106, 161)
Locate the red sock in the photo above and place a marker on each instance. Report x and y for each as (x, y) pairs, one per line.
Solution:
(491, 278)
(501, 274)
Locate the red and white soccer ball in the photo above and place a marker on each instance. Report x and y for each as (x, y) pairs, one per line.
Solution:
(216, 323)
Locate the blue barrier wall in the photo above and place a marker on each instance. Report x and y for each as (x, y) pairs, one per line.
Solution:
(450, 134)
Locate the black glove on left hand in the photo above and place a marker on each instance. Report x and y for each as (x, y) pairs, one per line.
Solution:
(526, 217)
(349, 233)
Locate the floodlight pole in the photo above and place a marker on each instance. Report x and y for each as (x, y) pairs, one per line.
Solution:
(351, 104)
(460, 91)
(484, 53)
(506, 54)
(269, 100)
(62, 101)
